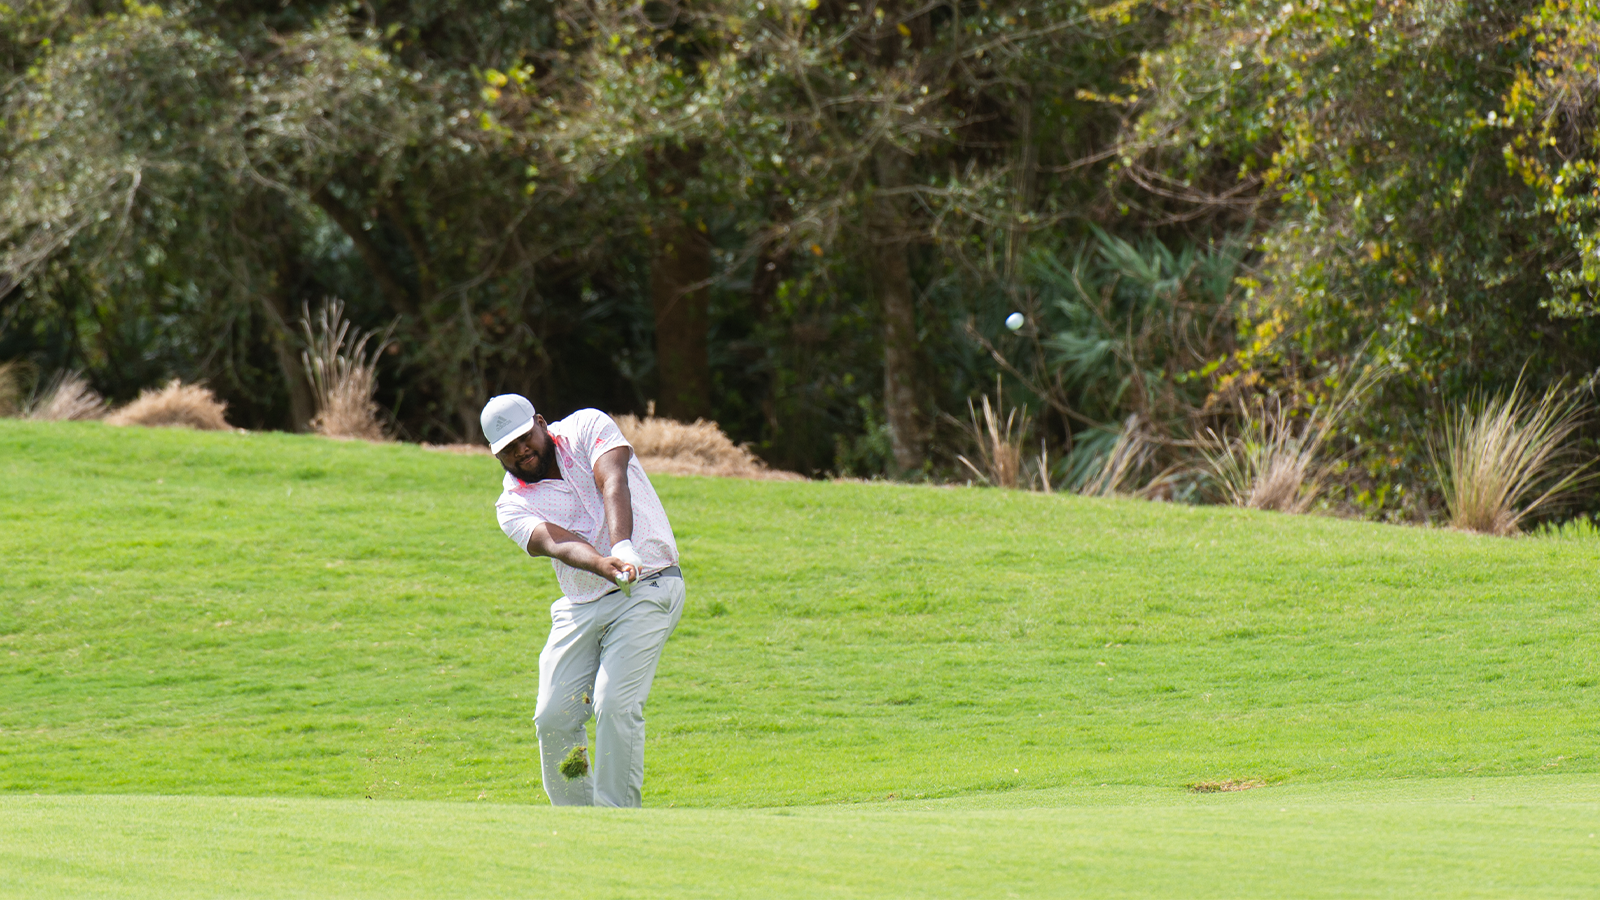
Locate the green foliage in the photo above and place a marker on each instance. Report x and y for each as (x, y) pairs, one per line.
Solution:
(1408, 186)
(495, 178)
(289, 158)
(1553, 144)
(1134, 326)
(1393, 221)
(1122, 341)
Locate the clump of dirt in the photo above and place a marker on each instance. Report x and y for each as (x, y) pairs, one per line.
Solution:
(1230, 784)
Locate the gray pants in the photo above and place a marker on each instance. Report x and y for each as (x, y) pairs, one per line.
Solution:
(601, 658)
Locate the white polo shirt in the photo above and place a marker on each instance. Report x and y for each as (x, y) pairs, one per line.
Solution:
(574, 503)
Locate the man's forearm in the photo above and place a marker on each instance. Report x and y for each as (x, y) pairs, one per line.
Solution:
(574, 552)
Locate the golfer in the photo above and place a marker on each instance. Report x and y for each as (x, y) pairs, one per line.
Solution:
(575, 492)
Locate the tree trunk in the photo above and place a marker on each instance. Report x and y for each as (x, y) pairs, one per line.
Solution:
(679, 272)
(772, 266)
(891, 272)
(389, 284)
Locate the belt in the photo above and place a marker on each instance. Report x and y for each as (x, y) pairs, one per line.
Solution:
(668, 572)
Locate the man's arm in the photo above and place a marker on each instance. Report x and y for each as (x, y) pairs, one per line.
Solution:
(550, 539)
(611, 477)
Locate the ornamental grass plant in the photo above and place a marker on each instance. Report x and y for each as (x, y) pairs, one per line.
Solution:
(344, 373)
(1272, 463)
(174, 405)
(1118, 470)
(1001, 460)
(67, 398)
(1501, 458)
(1276, 461)
(998, 443)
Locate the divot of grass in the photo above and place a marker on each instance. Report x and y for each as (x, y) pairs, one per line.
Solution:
(1226, 785)
(576, 765)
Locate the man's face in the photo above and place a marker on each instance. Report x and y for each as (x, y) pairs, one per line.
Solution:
(531, 457)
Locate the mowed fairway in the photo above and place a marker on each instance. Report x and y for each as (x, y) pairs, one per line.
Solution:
(275, 616)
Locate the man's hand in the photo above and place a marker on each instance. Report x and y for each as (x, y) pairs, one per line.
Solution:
(624, 551)
(616, 570)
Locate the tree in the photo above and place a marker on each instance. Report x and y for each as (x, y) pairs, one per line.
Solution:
(1369, 134)
(879, 132)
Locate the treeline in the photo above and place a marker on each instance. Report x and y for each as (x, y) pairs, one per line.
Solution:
(809, 220)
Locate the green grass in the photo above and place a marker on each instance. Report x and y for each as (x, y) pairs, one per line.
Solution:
(278, 616)
(1478, 837)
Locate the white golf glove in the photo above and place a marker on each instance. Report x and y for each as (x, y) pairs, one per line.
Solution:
(624, 551)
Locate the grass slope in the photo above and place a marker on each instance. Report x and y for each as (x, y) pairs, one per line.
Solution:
(275, 615)
(1478, 837)
(320, 629)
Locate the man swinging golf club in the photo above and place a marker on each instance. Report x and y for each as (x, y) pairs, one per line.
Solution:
(573, 491)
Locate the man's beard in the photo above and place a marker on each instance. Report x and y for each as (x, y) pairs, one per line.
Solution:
(540, 471)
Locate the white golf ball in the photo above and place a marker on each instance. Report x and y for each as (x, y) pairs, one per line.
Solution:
(1014, 321)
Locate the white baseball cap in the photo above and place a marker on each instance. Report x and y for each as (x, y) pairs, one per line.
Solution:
(504, 419)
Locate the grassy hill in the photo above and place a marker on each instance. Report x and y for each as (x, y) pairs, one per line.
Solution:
(279, 616)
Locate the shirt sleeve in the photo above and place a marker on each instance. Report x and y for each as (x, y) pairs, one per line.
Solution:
(600, 434)
(516, 519)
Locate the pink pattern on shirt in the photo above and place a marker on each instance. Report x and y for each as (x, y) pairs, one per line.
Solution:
(574, 502)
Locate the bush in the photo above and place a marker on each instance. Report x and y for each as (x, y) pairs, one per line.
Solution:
(343, 373)
(1272, 465)
(1498, 453)
(68, 397)
(177, 405)
(697, 448)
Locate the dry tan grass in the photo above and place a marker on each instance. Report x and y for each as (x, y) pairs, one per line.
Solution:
(1272, 464)
(68, 398)
(1275, 462)
(1000, 458)
(671, 447)
(176, 405)
(1499, 452)
(1128, 456)
(343, 373)
(1228, 784)
(999, 444)
(1283, 483)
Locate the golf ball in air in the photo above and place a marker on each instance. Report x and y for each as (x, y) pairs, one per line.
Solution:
(1014, 321)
